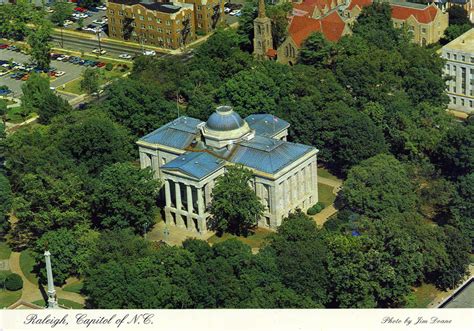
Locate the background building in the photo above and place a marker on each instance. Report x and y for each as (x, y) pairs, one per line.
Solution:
(188, 155)
(459, 55)
(162, 23)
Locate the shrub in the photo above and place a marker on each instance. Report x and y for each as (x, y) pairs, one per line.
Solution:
(109, 66)
(316, 208)
(13, 282)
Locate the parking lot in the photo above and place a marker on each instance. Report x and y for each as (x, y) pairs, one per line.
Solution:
(72, 71)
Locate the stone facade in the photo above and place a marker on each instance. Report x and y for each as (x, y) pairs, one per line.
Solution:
(459, 56)
(189, 155)
(262, 41)
(208, 14)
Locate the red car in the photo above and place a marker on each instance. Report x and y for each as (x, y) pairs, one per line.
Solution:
(82, 10)
(100, 64)
(3, 46)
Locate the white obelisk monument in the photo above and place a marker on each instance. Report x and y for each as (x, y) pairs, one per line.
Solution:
(52, 300)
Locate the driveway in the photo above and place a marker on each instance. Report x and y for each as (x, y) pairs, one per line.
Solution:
(72, 71)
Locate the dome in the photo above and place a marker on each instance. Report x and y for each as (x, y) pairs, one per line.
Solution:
(224, 119)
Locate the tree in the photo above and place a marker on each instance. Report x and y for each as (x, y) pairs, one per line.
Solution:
(6, 198)
(14, 282)
(94, 141)
(454, 31)
(458, 15)
(249, 92)
(316, 51)
(346, 137)
(37, 97)
(457, 248)
(48, 202)
(138, 106)
(462, 207)
(90, 81)
(300, 256)
(3, 110)
(278, 13)
(70, 250)
(62, 11)
(235, 207)
(455, 151)
(379, 186)
(124, 197)
(40, 49)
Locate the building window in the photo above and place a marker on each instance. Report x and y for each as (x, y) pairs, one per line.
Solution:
(120, 12)
(472, 59)
(142, 26)
(168, 22)
(423, 30)
(199, 7)
(140, 17)
(159, 29)
(111, 11)
(454, 100)
(463, 58)
(455, 56)
(150, 27)
(150, 18)
(158, 20)
(448, 55)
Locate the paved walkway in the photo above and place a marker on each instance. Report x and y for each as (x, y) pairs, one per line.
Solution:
(330, 210)
(176, 235)
(329, 182)
(31, 292)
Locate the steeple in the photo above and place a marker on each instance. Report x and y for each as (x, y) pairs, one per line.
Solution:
(52, 299)
(261, 9)
(262, 27)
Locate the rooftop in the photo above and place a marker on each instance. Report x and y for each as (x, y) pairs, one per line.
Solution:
(266, 125)
(464, 42)
(169, 8)
(195, 164)
(422, 13)
(177, 134)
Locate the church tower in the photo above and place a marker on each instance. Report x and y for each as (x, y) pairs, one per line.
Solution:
(262, 28)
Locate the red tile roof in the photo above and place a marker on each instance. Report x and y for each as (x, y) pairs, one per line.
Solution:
(309, 5)
(360, 3)
(330, 26)
(271, 52)
(425, 15)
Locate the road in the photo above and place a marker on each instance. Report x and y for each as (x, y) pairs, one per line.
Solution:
(87, 45)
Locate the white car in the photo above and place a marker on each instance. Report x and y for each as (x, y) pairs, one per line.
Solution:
(100, 22)
(68, 22)
(125, 56)
(103, 7)
(227, 10)
(99, 51)
(235, 13)
(79, 15)
(149, 53)
(59, 73)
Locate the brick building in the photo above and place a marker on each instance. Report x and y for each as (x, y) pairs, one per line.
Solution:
(163, 23)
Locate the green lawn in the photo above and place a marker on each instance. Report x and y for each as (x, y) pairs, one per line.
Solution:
(322, 172)
(5, 251)
(325, 194)
(74, 287)
(425, 294)
(27, 262)
(255, 241)
(62, 302)
(74, 86)
(7, 298)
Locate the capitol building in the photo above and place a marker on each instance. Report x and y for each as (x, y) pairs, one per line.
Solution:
(188, 155)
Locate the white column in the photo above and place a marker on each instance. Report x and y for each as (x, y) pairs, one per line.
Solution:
(200, 202)
(207, 193)
(167, 193)
(190, 208)
(179, 219)
(52, 302)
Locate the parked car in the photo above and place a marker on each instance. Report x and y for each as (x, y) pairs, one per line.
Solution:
(99, 51)
(68, 22)
(65, 58)
(149, 53)
(3, 46)
(59, 73)
(12, 48)
(237, 13)
(25, 77)
(102, 7)
(5, 91)
(100, 64)
(100, 21)
(80, 9)
(125, 56)
(55, 56)
(94, 9)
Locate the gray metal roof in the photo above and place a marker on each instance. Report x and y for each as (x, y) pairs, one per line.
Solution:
(224, 119)
(195, 164)
(268, 155)
(266, 125)
(178, 133)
